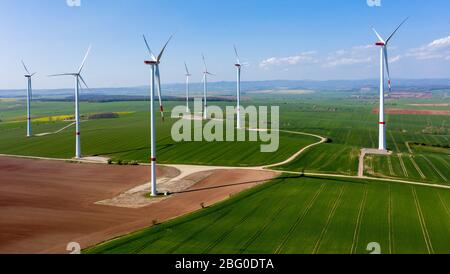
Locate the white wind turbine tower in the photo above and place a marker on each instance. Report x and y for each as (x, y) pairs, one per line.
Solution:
(29, 98)
(78, 80)
(154, 68)
(205, 89)
(384, 60)
(238, 90)
(188, 75)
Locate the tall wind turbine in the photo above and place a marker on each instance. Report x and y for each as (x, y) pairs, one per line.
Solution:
(28, 75)
(384, 60)
(238, 90)
(154, 69)
(78, 80)
(188, 75)
(205, 89)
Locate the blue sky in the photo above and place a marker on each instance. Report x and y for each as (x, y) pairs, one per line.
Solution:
(284, 39)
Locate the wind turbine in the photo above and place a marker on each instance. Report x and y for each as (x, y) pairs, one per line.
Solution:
(29, 98)
(384, 60)
(205, 89)
(238, 90)
(154, 69)
(188, 75)
(78, 80)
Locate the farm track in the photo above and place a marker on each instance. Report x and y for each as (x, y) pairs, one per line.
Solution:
(435, 169)
(336, 204)
(402, 164)
(362, 206)
(417, 167)
(423, 225)
(300, 219)
(395, 143)
(391, 168)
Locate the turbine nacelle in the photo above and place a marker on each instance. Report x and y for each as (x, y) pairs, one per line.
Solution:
(29, 74)
(380, 44)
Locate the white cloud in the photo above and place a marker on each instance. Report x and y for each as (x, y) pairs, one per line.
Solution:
(395, 59)
(356, 55)
(437, 49)
(439, 43)
(302, 58)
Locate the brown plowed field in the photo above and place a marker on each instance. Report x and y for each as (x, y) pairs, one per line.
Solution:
(395, 111)
(44, 205)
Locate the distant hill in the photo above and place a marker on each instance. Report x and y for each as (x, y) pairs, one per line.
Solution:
(228, 88)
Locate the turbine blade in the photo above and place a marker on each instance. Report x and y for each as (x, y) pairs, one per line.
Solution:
(386, 60)
(204, 63)
(84, 82)
(378, 35)
(148, 48)
(163, 49)
(62, 74)
(187, 70)
(158, 77)
(395, 31)
(33, 74)
(25, 67)
(237, 55)
(84, 60)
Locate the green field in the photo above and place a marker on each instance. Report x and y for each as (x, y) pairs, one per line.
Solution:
(349, 124)
(288, 215)
(420, 167)
(298, 215)
(127, 138)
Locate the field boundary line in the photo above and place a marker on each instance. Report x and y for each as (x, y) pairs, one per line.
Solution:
(336, 204)
(358, 221)
(423, 225)
(395, 143)
(402, 164)
(409, 147)
(391, 168)
(299, 219)
(434, 167)
(417, 167)
(386, 180)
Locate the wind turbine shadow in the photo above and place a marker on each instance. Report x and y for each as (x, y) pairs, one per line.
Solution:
(230, 185)
(132, 150)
